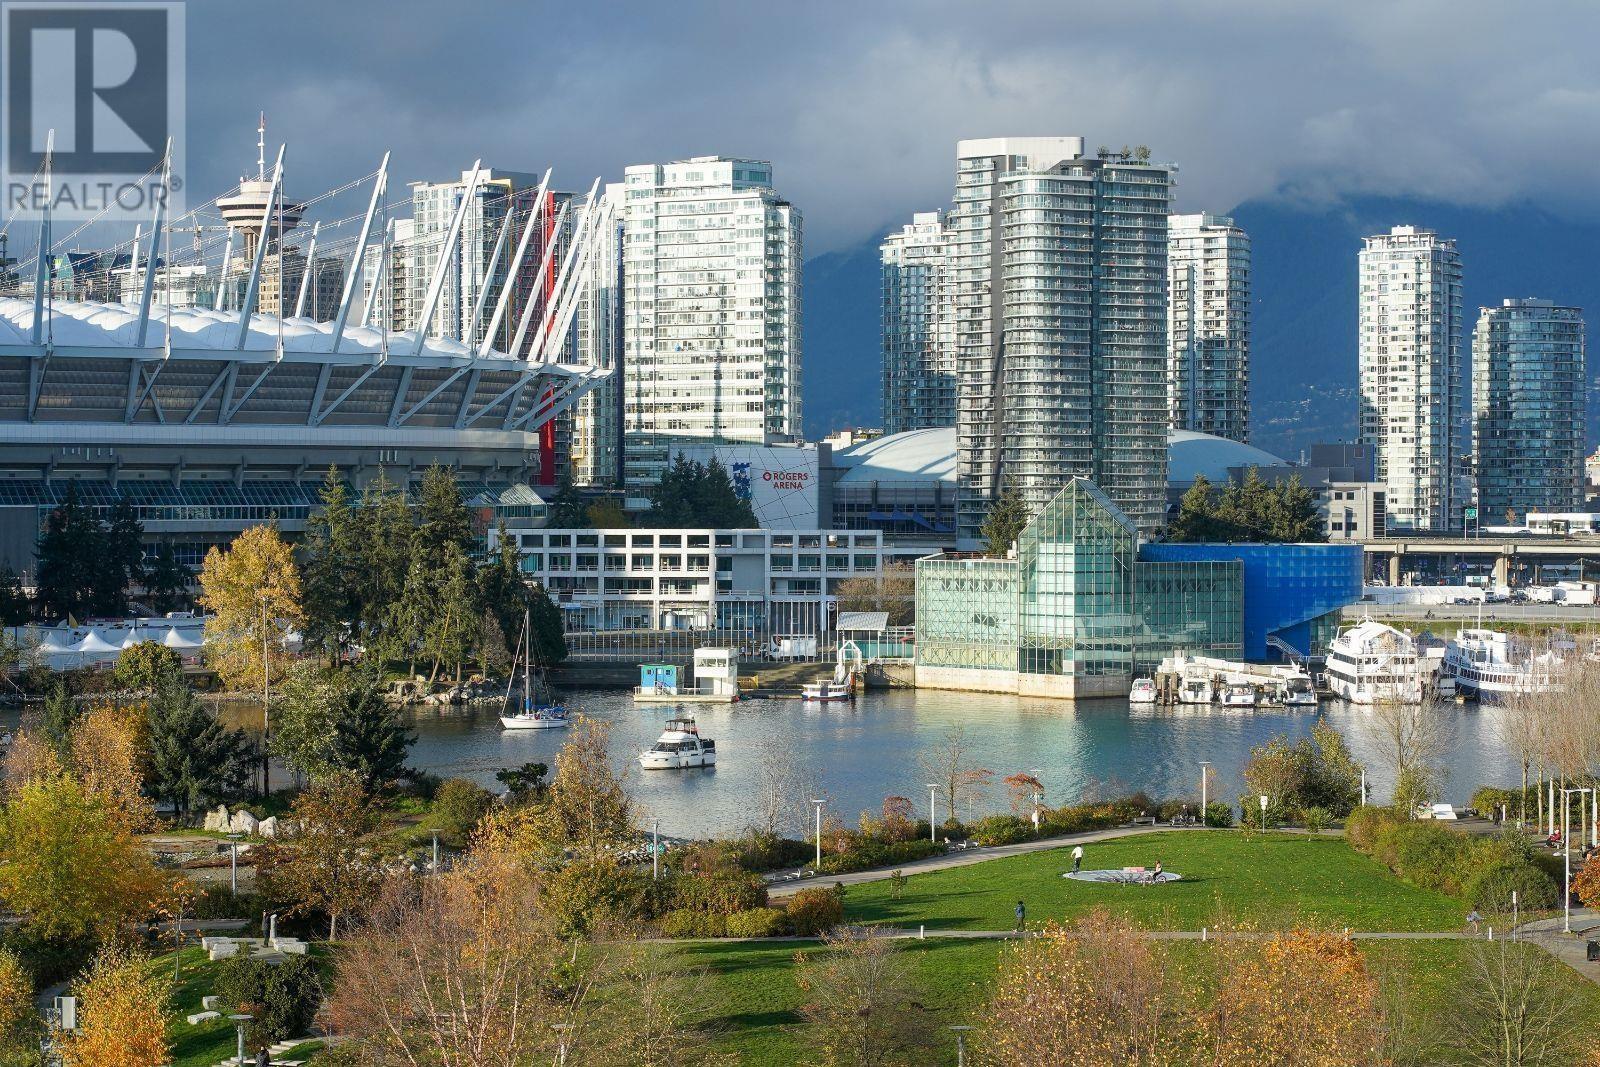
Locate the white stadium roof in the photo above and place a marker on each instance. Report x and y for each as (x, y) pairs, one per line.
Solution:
(83, 325)
(1190, 454)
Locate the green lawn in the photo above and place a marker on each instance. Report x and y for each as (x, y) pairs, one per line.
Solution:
(757, 1004)
(1263, 879)
(210, 1042)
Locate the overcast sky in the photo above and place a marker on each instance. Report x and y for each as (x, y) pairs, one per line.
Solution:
(859, 104)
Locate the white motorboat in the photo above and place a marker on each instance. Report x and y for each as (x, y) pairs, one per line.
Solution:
(1239, 696)
(1143, 691)
(1373, 663)
(1297, 691)
(680, 745)
(1485, 666)
(1195, 691)
(532, 715)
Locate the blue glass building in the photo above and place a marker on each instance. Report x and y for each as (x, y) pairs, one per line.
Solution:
(1293, 594)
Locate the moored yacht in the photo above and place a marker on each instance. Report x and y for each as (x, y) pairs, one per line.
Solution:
(1486, 666)
(534, 714)
(1373, 663)
(680, 745)
(1239, 695)
(1195, 691)
(1296, 690)
(1143, 691)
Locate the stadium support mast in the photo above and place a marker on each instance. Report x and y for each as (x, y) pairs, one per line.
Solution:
(436, 284)
(352, 278)
(155, 250)
(253, 288)
(516, 265)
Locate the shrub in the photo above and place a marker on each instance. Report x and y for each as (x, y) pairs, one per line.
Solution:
(683, 922)
(458, 805)
(756, 922)
(1316, 819)
(815, 911)
(1219, 815)
(1425, 854)
(1002, 830)
(146, 666)
(769, 852)
(1487, 801)
(283, 996)
(1490, 888)
(865, 853)
(720, 892)
(585, 894)
(1362, 826)
(216, 902)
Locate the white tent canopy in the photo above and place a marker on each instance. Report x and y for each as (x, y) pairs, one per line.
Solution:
(94, 642)
(175, 639)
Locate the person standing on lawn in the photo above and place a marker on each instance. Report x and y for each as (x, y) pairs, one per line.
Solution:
(1077, 858)
(1022, 914)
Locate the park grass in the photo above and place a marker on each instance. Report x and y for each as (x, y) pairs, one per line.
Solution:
(211, 1042)
(757, 1004)
(1262, 879)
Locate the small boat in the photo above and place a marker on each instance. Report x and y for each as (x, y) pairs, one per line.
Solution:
(829, 690)
(532, 715)
(1143, 691)
(1297, 691)
(1239, 696)
(680, 745)
(1195, 691)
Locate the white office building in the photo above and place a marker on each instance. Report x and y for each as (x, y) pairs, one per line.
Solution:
(1208, 326)
(711, 309)
(919, 366)
(1413, 396)
(760, 582)
(1058, 263)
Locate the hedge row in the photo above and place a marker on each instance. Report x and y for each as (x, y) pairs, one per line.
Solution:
(1481, 870)
(812, 911)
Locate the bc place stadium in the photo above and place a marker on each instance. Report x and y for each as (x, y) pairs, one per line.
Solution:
(208, 369)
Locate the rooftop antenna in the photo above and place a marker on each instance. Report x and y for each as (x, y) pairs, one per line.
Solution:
(261, 148)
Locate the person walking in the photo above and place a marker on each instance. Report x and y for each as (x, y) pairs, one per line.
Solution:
(1022, 914)
(1474, 922)
(1077, 858)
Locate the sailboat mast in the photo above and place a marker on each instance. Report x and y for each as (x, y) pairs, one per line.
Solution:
(527, 660)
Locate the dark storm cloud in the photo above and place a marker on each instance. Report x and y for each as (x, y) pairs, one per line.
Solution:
(859, 104)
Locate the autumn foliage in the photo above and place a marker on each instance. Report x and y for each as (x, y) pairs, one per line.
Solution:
(121, 1016)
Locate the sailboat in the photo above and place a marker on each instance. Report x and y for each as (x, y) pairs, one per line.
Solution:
(532, 715)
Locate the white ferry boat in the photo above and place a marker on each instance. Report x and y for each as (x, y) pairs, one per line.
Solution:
(1485, 666)
(1143, 691)
(680, 745)
(1371, 663)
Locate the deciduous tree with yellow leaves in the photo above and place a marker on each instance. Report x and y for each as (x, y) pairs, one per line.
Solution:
(253, 590)
(1094, 991)
(121, 1015)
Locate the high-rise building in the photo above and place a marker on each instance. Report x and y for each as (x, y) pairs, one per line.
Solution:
(467, 276)
(711, 308)
(919, 372)
(1208, 326)
(1058, 266)
(1529, 409)
(1413, 399)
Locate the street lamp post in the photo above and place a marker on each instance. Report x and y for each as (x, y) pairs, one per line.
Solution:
(561, 1042)
(932, 823)
(1566, 853)
(436, 852)
(1205, 773)
(961, 1044)
(238, 1022)
(1034, 773)
(1363, 787)
(655, 850)
(233, 866)
(819, 804)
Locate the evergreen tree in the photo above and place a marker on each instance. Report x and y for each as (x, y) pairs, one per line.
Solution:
(1196, 518)
(407, 626)
(166, 581)
(69, 558)
(369, 740)
(194, 760)
(121, 559)
(694, 494)
(566, 508)
(330, 557)
(384, 531)
(1300, 519)
(548, 636)
(1004, 523)
(14, 608)
(443, 521)
(57, 718)
(452, 632)
(720, 502)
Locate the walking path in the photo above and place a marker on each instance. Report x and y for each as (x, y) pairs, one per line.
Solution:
(783, 883)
